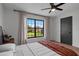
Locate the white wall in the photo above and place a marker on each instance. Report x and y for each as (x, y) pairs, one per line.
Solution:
(11, 22)
(56, 27)
(1, 14)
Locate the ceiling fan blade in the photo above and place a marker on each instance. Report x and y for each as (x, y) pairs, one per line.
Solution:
(45, 8)
(59, 9)
(49, 11)
(59, 4)
(52, 5)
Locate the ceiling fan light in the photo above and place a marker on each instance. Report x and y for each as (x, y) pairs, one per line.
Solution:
(53, 9)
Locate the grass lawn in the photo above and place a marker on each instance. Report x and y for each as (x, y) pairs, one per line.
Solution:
(31, 34)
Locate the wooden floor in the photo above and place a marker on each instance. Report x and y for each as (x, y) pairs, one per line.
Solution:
(76, 49)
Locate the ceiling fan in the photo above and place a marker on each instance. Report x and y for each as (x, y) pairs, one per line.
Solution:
(54, 7)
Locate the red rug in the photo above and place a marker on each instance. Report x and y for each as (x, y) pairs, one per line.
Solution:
(58, 49)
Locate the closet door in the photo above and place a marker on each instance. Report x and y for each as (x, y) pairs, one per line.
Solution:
(66, 30)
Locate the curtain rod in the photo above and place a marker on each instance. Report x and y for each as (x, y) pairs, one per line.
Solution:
(27, 12)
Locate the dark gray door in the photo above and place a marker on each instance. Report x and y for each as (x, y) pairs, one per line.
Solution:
(1, 38)
(66, 30)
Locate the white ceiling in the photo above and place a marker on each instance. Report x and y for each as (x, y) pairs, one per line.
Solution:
(36, 8)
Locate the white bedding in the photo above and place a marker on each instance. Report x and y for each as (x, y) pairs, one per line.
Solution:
(34, 49)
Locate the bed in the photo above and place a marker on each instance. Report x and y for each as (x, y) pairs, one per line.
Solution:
(43, 48)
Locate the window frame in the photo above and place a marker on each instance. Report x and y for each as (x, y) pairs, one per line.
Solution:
(35, 27)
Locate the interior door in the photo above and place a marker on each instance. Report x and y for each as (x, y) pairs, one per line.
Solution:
(66, 30)
(1, 38)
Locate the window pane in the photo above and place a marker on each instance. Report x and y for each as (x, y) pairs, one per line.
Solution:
(39, 28)
(39, 24)
(30, 23)
(30, 33)
(39, 32)
(30, 26)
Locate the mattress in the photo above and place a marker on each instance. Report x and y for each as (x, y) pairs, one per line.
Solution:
(34, 49)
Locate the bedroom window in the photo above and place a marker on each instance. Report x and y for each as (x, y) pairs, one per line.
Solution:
(35, 28)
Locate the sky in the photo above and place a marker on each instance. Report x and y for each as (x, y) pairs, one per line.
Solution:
(31, 23)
